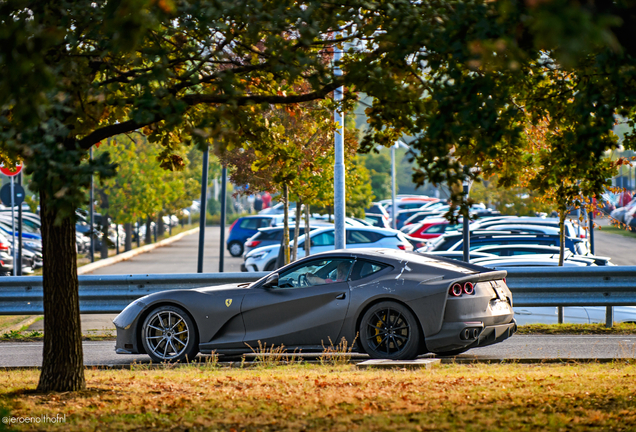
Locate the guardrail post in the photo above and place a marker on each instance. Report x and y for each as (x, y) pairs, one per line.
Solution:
(560, 314)
(609, 316)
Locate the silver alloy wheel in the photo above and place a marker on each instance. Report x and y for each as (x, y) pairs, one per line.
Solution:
(236, 249)
(167, 334)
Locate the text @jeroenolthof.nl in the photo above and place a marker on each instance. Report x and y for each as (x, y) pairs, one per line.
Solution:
(42, 419)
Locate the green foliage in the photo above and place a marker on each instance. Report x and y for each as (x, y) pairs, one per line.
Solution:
(141, 187)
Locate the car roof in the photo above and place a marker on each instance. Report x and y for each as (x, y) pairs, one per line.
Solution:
(397, 257)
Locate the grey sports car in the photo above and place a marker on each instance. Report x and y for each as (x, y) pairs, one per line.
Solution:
(393, 304)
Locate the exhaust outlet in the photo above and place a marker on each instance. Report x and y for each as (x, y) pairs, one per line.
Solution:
(475, 333)
(466, 333)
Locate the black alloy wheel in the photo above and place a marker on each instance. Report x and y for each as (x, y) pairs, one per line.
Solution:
(388, 330)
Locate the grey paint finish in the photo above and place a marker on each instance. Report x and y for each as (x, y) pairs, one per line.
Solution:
(233, 318)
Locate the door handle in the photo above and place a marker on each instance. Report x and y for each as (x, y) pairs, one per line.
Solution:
(340, 296)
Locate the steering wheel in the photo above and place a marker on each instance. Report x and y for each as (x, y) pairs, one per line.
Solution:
(302, 280)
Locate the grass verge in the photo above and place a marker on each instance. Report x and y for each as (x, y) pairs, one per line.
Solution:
(577, 329)
(581, 397)
(623, 230)
(36, 336)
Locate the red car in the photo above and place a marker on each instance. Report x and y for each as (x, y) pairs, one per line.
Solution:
(431, 228)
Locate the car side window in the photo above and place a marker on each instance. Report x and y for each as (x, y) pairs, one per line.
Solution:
(435, 229)
(354, 237)
(323, 239)
(316, 272)
(265, 222)
(363, 268)
(251, 223)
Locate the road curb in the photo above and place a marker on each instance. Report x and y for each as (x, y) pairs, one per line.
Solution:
(25, 322)
(130, 254)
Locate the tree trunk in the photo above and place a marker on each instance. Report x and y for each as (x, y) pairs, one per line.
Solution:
(129, 235)
(104, 249)
(63, 362)
(285, 225)
(161, 227)
(562, 216)
(307, 231)
(296, 231)
(148, 238)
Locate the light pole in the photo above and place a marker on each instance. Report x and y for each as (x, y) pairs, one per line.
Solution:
(397, 144)
(466, 222)
(339, 167)
(203, 206)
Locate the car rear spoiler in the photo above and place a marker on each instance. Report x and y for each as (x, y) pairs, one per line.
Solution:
(483, 277)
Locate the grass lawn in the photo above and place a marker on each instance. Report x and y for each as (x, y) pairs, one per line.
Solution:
(624, 231)
(578, 397)
(582, 329)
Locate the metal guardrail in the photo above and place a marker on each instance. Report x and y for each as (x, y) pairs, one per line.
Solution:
(573, 286)
(107, 293)
(588, 286)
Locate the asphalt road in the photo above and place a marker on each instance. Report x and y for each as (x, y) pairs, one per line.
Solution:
(520, 347)
(179, 257)
(620, 248)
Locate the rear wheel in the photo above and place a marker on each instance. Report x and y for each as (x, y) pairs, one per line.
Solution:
(169, 335)
(389, 330)
(271, 266)
(236, 249)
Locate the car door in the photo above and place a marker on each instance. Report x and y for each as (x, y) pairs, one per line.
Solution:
(299, 312)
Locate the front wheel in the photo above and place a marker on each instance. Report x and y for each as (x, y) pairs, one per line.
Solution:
(236, 249)
(169, 335)
(389, 330)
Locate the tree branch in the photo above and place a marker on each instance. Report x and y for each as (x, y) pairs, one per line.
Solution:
(196, 99)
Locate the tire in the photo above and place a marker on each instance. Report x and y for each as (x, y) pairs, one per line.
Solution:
(388, 330)
(169, 335)
(271, 266)
(236, 249)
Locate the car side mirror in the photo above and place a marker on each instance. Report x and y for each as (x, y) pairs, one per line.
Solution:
(271, 282)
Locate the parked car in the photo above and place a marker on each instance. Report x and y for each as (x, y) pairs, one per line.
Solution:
(619, 213)
(378, 220)
(431, 228)
(269, 236)
(244, 228)
(504, 222)
(481, 238)
(374, 296)
(322, 240)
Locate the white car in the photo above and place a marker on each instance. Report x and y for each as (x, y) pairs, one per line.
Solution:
(322, 240)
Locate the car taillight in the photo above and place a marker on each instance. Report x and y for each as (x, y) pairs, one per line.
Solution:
(455, 290)
(4, 246)
(469, 288)
(401, 247)
(233, 223)
(504, 279)
(252, 243)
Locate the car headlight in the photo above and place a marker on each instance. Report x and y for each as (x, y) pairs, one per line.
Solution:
(259, 255)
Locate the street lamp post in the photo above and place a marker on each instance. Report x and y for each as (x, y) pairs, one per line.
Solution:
(397, 144)
(339, 167)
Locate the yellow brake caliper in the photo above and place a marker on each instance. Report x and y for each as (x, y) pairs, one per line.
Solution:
(183, 336)
(377, 330)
